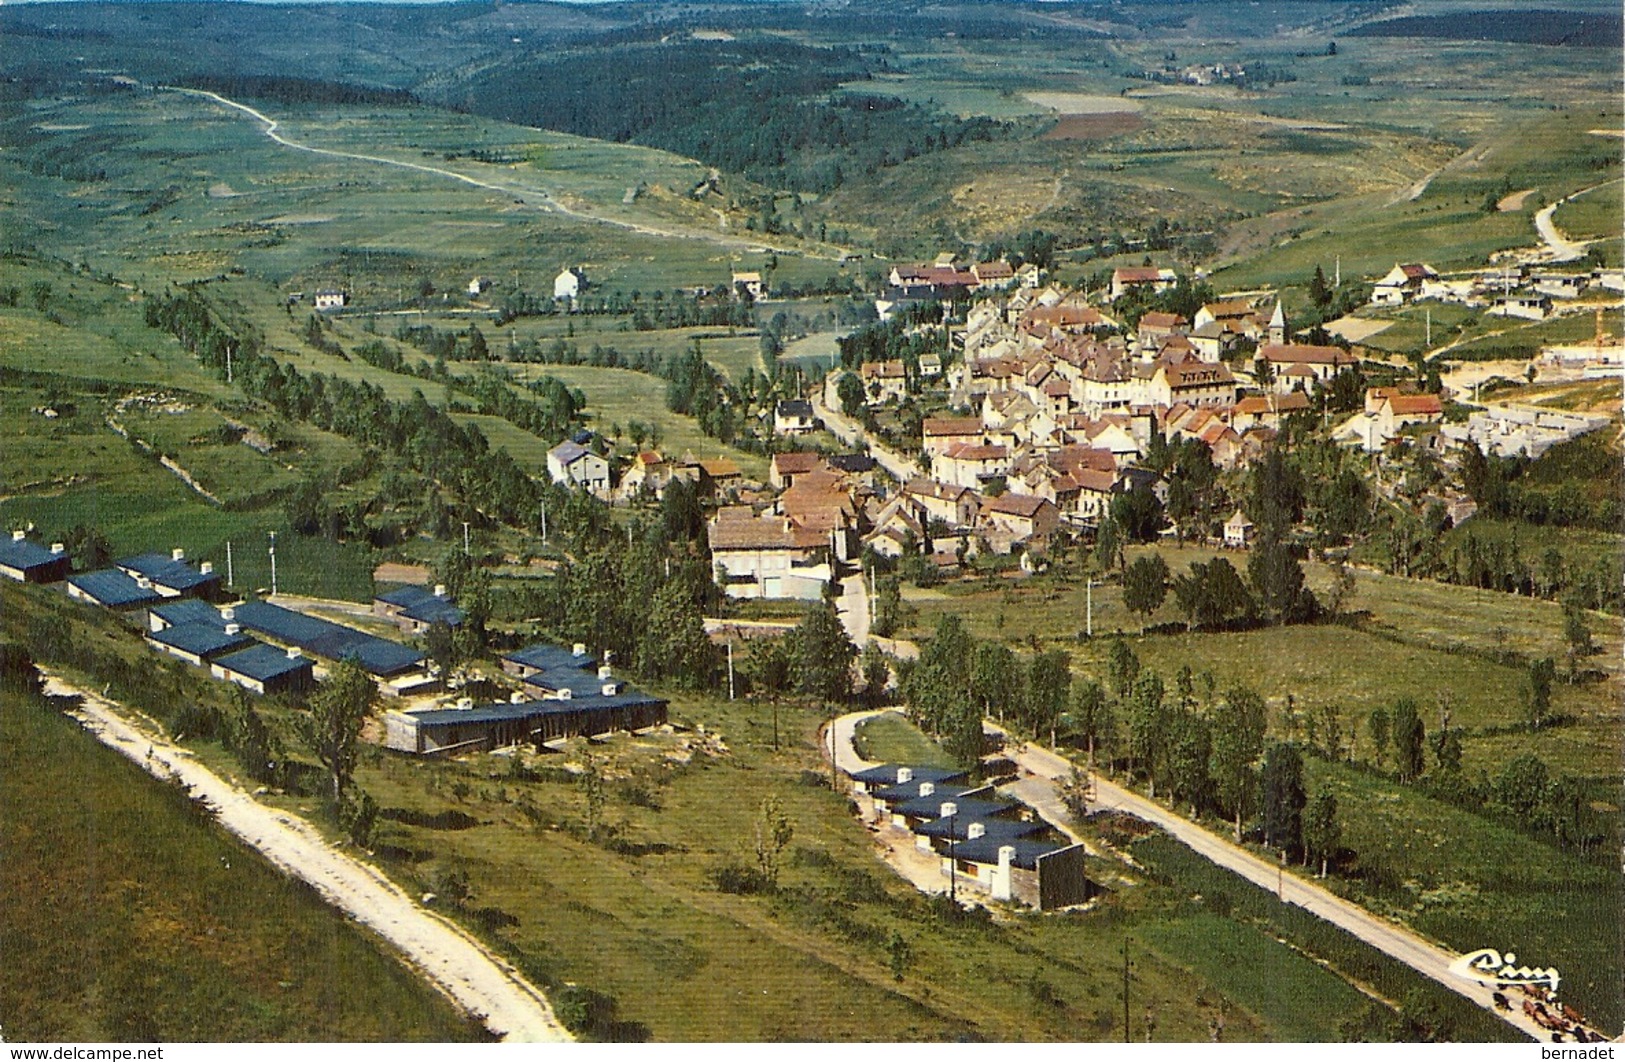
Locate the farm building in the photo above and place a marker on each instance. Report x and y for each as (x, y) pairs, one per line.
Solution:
(331, 299)
(489, 726)
(30, 562)
(415, 609)
(171, 575)
(111, 588)
(379, 657)
(266, 670)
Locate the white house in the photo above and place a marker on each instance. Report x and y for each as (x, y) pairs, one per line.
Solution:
(331, 299)
(568, 284)
(768, 556)
(575, 465)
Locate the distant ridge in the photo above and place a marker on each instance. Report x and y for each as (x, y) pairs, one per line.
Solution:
(1574, 29)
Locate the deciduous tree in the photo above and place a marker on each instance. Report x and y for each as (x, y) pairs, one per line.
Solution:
(332, 726)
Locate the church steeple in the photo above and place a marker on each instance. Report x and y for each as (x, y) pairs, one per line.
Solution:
(1278, 324)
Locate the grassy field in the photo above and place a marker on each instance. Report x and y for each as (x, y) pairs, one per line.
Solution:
(620, 396)
(892, 739)
(1423, 639)
(145, 921)
(58, 474)
(1459, 878)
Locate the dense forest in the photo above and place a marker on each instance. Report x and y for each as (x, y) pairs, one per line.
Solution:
(768, 109)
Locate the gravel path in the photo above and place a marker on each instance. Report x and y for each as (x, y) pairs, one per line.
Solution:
(478, 980)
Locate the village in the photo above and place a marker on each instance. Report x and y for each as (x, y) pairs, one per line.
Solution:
(1045, 406)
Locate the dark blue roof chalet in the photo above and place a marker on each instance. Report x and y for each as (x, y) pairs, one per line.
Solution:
(263, 663)
(959, 828)
(491, 713)
(970, 809)
(111, 588)
(986, 850)
(205, 640)
(188, 610)
(545, 657)
(422, 606)
(24, 555)
(894, 794)
(886, 774)
(333, 641)
(166, 571)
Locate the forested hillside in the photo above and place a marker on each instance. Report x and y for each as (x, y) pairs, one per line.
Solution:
(766, 108)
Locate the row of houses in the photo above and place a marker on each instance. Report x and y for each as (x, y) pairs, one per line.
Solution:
(180, 621)
(574, 464)
(985, 841)
(1508, 289)
(563, 693)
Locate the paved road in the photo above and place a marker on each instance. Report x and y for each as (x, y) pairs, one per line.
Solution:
(482, 983)
(898, 466)
(1401, 944)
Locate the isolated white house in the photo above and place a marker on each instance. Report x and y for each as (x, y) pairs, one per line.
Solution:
(568, 284)
(574, 465)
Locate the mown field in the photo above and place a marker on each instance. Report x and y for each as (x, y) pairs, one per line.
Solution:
(1414, 638)
(134, 917)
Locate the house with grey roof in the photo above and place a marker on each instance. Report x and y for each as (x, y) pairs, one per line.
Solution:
(573, 465)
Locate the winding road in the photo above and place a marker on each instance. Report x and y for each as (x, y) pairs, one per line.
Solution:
(1048, 771)
(533, 197)
(478, 980)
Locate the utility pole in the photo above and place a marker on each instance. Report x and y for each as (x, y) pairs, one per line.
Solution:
(544, 523)
(230, 581)
(730, 669)
(950, 811)
(465, 538)
(229, 347)
(1428, 335)
(1089, 606)
(273, 563)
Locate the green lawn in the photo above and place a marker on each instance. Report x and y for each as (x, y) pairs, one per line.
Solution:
(136, 918)
(890, 738)
(1415, 638)
(1469, 881)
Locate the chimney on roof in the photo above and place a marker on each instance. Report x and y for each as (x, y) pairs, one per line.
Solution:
(143, 582)
(927, 788)
(564, 694)
(949, 809)
(177, 554)
(293, 654)
(610, 689)
(905, 775)
(974, 830)
(57, 547)
(18, 536)
(228, 613)
(234, 628)
(605, 672)
(516, 698)
(207, 567)
(439, 589)
(580, 649)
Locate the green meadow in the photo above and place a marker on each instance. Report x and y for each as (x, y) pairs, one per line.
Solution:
(145, 921)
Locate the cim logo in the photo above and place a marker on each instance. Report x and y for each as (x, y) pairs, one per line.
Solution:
(1487, 964)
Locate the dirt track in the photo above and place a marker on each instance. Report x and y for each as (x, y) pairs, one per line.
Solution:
(479, 981)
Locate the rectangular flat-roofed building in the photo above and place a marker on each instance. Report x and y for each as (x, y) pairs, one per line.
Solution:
(200, 643)
(30, 562)
(111, 588)
(266, 670)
